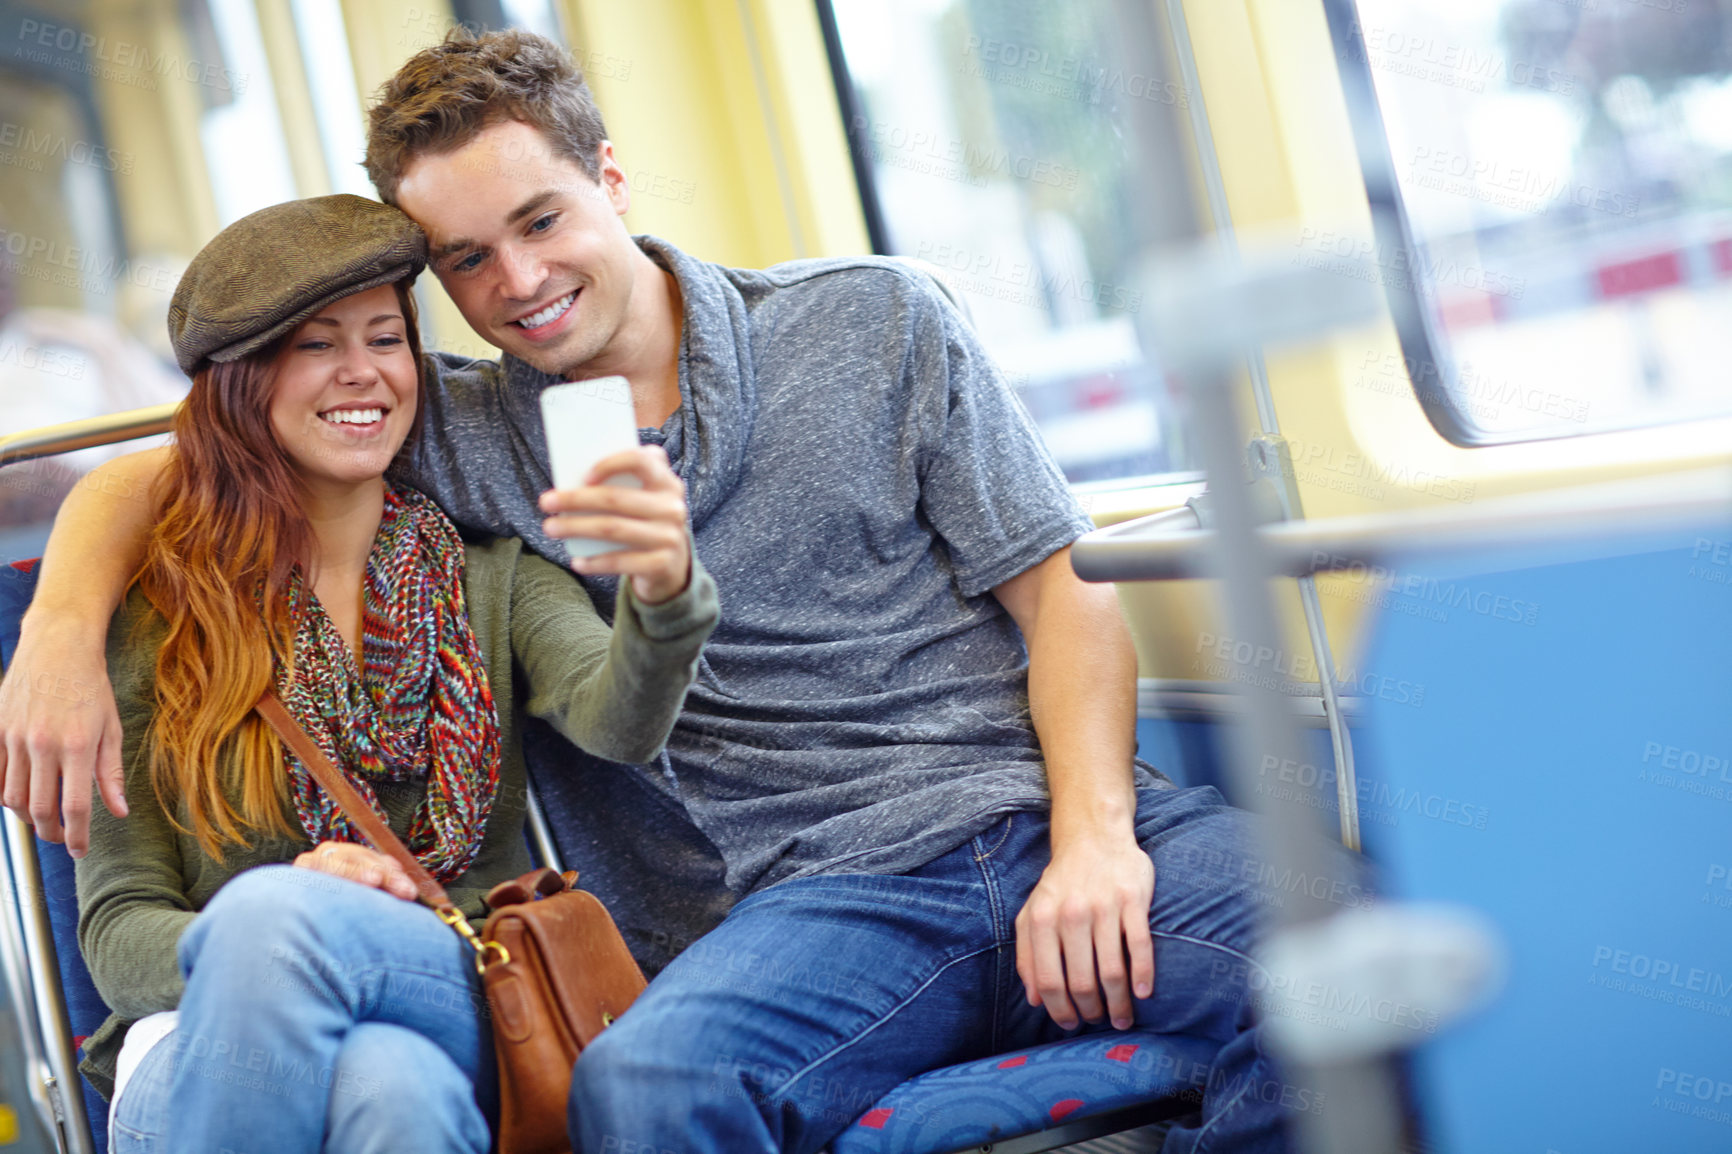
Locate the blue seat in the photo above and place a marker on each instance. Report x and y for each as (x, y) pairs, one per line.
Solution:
(1048, 1096)
(1569, 776)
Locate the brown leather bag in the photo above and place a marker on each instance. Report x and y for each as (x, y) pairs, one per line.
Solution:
(554, 966)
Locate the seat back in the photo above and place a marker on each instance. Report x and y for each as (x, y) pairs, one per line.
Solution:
(1568, 774)
(632, 844)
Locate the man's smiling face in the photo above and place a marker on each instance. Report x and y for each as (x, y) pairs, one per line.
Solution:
(531, 249)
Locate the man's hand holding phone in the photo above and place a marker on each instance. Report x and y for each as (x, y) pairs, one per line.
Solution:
(646, 526)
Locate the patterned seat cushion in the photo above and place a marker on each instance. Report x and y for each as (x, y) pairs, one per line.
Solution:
(1027, 1091)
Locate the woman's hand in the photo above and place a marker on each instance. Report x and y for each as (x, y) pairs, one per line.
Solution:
(650, 522)
(359, 864)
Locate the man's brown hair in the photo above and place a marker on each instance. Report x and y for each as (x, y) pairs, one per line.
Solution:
(446, 95)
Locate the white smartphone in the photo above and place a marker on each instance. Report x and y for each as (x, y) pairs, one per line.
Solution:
(585, 421)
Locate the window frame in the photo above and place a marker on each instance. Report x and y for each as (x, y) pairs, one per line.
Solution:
(1422, 345)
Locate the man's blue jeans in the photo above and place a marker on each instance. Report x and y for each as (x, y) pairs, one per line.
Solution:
(815, 997)
(319, 1014)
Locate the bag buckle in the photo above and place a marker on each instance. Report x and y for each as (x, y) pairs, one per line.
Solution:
(453, 917)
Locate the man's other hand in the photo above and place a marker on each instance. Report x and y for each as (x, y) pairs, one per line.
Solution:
(1087, 914)
(650, 522)
(58, 730)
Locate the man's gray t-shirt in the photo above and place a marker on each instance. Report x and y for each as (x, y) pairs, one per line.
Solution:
(860, 476)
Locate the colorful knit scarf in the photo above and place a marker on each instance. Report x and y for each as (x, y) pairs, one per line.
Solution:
(420, 707)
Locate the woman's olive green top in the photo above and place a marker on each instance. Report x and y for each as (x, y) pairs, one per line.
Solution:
(613, 692)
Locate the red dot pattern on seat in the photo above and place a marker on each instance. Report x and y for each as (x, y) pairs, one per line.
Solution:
(998, 1097)
(875, 1119)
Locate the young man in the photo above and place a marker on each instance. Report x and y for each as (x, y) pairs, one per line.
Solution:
(912, 736)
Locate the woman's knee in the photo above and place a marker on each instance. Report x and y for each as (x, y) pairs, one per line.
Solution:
(276, 912)
(258, 910)
(395, 1089)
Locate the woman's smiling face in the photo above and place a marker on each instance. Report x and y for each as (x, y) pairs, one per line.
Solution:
(345, 389)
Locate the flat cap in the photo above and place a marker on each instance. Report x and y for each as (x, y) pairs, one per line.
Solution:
(269, 271)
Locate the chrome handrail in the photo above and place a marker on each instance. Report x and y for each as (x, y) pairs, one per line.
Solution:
(55, 1090)
(109, 429)
(1147, 549)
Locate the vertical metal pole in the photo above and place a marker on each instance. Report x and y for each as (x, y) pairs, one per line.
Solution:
(1346, 782)
(1361, 1113)
(53, 1054)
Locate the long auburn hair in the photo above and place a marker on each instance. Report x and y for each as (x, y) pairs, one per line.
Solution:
(231, 526)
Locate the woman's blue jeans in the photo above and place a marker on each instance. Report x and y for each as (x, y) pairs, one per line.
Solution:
(815, 997)
(319, 1014)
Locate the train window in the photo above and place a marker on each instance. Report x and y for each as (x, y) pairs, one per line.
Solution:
(241, 128)
(1032, 151)
(538, 16)
(1554, 177)
(534, 15)
(331, 85)
(71, 282)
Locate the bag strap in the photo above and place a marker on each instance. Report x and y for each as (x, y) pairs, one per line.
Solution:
(362, 815)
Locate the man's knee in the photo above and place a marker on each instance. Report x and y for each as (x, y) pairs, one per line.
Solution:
(623, 1069)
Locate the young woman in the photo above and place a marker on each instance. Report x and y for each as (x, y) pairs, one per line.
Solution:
(276, 986)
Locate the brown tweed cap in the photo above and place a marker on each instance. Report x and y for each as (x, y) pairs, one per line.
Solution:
(269, 271)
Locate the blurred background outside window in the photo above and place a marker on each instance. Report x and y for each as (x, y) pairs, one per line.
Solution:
(1566, 167)
(83, 304)
(1033, 152)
